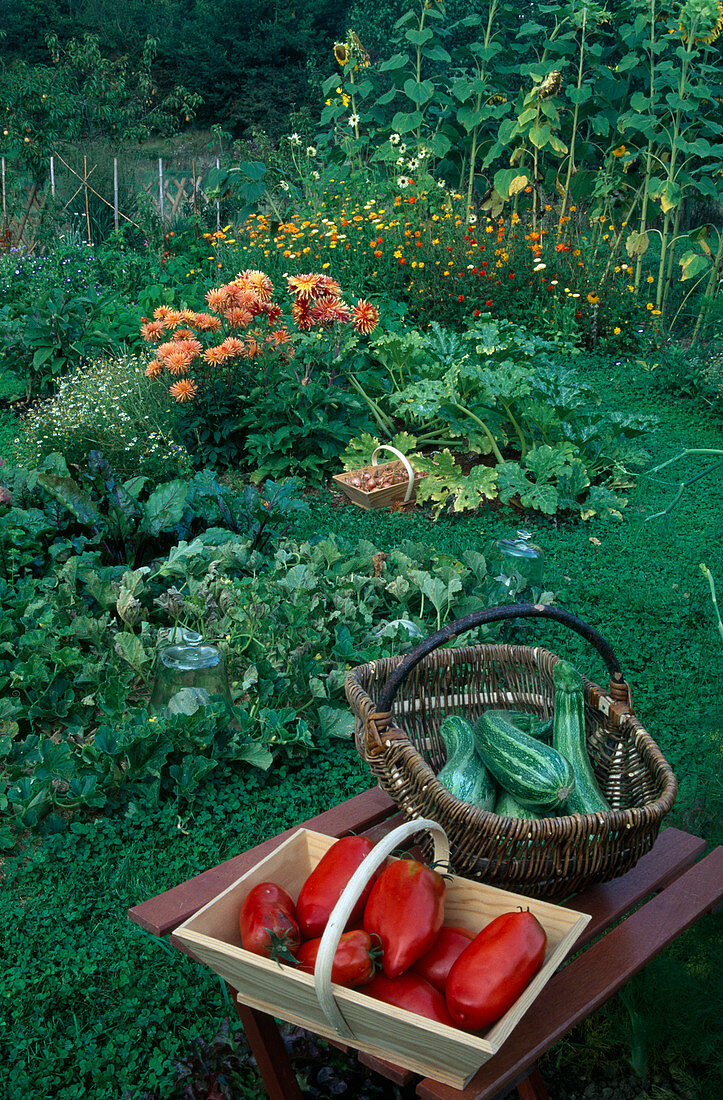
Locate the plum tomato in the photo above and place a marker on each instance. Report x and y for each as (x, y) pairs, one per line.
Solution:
(446, 949)
(406, 910)
(325, 884)
(492, 972)
(267, 924)
(412, 992)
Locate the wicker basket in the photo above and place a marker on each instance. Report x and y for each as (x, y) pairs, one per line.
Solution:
(400, 702)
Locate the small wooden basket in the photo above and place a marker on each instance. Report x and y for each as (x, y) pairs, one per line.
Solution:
(411, 1041)
(400, 702)
(380, 498)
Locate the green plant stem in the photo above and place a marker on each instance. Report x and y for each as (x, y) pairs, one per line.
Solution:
(710, 290)
(671, 260)
(481, 75)
(492, 441)
(711, 583)
(516, 426)
(575, 114)
(384, 422)
(649, 156)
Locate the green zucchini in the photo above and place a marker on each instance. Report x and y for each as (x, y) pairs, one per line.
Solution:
(568, 737)
(534, 773)
(508, 806)
(464, 774)
(539, 728)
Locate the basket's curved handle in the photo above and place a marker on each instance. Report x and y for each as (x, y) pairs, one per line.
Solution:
(407, 465)
(342, 910)
(491, 615)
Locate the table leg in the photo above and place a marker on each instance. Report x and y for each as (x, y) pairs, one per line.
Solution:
(533, 1087)
(268, 1048)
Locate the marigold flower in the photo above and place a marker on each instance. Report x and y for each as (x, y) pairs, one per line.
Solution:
(185, 390)
(364, 317)
(593, 299)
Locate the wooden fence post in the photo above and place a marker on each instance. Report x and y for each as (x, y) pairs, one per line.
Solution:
(160, 185)
(115, 193)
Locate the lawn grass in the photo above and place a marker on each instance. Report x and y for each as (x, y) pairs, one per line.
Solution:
(92, 1007)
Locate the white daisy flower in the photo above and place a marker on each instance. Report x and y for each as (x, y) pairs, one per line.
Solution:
(403, 181)
(353, 120)
(394, 139)
(283, 185)
(311, 150)
(295, 139)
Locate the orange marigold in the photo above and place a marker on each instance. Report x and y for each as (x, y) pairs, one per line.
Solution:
(364, 317)
(184, 390)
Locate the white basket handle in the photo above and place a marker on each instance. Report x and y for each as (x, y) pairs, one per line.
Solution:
(342, 910)
(403, 459)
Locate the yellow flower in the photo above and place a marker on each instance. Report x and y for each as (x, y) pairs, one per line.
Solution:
(341, 53)
(649, 305)
(593, 299)
(617, 330)
(650, 279)
(620, 151)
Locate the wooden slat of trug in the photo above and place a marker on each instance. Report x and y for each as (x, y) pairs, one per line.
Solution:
(592, 978)
(164, 912)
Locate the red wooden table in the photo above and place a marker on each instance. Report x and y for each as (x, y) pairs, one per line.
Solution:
(633, 918)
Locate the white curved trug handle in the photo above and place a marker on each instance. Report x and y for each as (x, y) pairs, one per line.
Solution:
(407, 465)
(352, 892)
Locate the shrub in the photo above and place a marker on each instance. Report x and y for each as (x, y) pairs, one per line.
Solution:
(109, 406)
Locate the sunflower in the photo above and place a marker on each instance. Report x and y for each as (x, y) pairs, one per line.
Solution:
(341, 53)
(364, 317)
(185, 390)
(703, 19)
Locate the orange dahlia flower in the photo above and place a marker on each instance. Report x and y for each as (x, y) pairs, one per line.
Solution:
(185, 390)
(364, 317)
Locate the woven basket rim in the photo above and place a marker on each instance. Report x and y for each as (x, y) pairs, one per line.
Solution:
(402, 751)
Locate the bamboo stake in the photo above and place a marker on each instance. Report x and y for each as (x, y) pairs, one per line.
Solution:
(5, 210)
(195, 211)
(52, 176)
(85, 190)
(115, 193)
(160, 185)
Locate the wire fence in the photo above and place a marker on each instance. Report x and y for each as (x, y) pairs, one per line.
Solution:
(91, 197)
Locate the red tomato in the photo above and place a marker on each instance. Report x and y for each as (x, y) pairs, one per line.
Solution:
(406, 910)
(267, 923)
(355, 959)
(410, 991)
(490, 974)
(437, 963)
(324, 886)
(268, 893)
